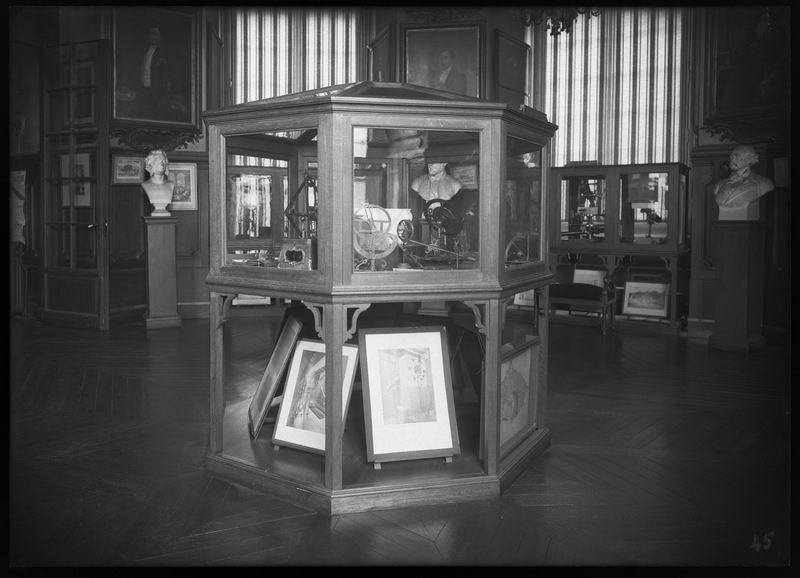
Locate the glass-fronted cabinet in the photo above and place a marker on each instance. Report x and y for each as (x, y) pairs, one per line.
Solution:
(634, 218)
(410, 224)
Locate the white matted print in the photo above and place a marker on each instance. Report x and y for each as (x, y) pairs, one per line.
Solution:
(301, 418)
(408, 395)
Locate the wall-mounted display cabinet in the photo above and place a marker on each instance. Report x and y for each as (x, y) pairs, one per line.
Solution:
(384, 207)
(633, 219)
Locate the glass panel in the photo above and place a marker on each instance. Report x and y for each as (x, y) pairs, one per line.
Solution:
(519, 371)
(583, 209)
(523, 202)
(684, 216)
(271, 200)
(415, 199)
(643, 208)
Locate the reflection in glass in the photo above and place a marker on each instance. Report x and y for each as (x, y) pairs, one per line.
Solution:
(522, 198)
(583, 209)
(424, 185)
(643, 208)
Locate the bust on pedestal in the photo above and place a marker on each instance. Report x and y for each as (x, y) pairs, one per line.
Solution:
(162, 308)
(740, 256)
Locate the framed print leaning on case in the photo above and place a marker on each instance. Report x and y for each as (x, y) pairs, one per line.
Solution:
(650, 299)
(408, 394)
(271, 379)
(518, 370)
(301, 418)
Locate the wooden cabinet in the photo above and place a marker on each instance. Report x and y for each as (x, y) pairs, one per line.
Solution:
(320, 198)
(632, 221)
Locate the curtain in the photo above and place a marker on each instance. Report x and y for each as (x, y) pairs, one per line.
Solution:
(280, 51)
(615, 86)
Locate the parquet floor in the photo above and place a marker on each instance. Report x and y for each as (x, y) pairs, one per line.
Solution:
(664, 453)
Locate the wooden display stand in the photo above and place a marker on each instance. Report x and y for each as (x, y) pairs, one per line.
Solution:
(739, 286)
(162, 292)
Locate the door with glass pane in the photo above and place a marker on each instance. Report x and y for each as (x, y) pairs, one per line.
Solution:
(75, 287)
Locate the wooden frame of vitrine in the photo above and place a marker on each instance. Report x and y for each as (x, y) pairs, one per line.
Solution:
(336, 295)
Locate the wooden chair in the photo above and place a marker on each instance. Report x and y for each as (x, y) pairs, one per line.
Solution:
(586, 298)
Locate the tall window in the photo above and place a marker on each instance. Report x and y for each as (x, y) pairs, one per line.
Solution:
(281, 51)
(615, 86)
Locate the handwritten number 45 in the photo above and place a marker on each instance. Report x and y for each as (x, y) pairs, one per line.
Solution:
(764, 543)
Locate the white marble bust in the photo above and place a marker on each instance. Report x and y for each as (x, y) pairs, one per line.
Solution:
(737, 196)
(437, 184)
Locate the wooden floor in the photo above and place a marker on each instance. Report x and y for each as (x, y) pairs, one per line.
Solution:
(664, 453)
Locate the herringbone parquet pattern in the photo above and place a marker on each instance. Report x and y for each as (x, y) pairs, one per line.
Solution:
(664, 453)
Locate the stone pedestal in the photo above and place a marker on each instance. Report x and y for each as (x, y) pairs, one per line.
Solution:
(739, 294)
(162, 291)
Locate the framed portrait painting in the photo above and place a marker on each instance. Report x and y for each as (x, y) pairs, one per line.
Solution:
(155, 53)
(408, 394)
(301, 417)
(447, 58)
(649, 299)
(184, 195)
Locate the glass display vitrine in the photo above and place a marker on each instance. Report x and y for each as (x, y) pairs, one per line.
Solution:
(634, 217)
(386, 207)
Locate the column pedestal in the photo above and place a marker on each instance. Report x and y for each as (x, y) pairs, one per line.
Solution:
(162, 290)
(739, 294)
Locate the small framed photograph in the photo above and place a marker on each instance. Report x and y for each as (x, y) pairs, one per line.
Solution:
(526, 298)
(80, 183)
(466, 174)
(273, 374)
(650, 299)
(184, 195)
(446, 58)
(381, 56)
(301, 417)
(512, 70)
(594, 277)
(128, 170)
(519, 369)
(408, 394)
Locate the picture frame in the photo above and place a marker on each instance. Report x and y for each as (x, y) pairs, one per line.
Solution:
(172, 99)
(594, 277)
(467, 175)
(301, 417)
(648, 299)
(512, 70)
(381, 66)
(127, 170)
(79, 178)
(273, 374)
(424, 43)
(407, 387)
(526, 298)
(518, 368)
(184, 196)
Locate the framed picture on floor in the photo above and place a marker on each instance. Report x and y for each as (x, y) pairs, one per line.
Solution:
(301, 417)
(273, 373)
(408, 394)
(650, 299)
